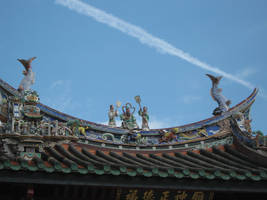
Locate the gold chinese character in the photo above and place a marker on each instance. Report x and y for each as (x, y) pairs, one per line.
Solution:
(132, 195)
(164, 195)
(198, 196)
(180, 196)
(149, 195)
(118, 195)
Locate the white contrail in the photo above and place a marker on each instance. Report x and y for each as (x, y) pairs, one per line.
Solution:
(144, 37)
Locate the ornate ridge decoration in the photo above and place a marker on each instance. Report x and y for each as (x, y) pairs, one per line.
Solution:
(27, 126)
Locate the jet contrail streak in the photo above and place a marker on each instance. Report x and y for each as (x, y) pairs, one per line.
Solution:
(144, 37)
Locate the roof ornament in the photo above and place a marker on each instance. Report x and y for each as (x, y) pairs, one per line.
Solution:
(138, 100)
(29, 77)
(143, 113)
(127, 117)
(112, 114)
(127, 108)
(216, 94)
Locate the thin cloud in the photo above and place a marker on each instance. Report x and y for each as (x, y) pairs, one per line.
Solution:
(246, 72)
(61, 93)
(144, 37)
(57, 83)
(262, 93)
(189, 99)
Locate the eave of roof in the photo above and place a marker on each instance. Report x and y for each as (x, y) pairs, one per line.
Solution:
(219, 163)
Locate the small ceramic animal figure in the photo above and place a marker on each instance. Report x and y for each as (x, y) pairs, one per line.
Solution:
(216, 94)
(168, 136)
(29, 76)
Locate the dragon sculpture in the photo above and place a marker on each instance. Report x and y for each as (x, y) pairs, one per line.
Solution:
(29, 76)
(216, 94)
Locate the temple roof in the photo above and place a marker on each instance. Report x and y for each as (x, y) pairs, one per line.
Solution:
(217, 151)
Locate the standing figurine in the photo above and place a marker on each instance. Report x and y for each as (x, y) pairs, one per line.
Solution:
(128, 119)
(29, 77)
(112, 114)
(216, 94)
(143, 113)
(145, 118)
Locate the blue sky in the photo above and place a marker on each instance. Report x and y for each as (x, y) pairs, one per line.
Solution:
(83, 66)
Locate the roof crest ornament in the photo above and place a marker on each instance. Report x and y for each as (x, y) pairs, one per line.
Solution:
(216, 94)
(29, 76)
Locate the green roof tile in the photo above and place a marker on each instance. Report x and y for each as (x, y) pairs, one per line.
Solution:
(255, 178)
(115, 172)
(209, 176)
(32, 167)
(40, 165)
(194, 175)
(107, 168)
(83, 170)
(131, 173)
(24, 163)
(178, 175)
(99, 171)
(202, 172)
(74, 166)
(66, 169)
(186, 172)
(58, 166)
(171, 171)
(140, 170)
(7, 163)
(218, 173)
(90, 168)
(15, 167)
(163, 174)
(147, 174)
(233, 174)
(248, 174)
(225, 177)
(123, 169)
(155, 170)
(241, 177)
(263, 174)
(49, 169)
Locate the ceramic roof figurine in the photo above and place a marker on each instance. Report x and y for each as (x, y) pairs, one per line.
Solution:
(29, 76)
(216, 94)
